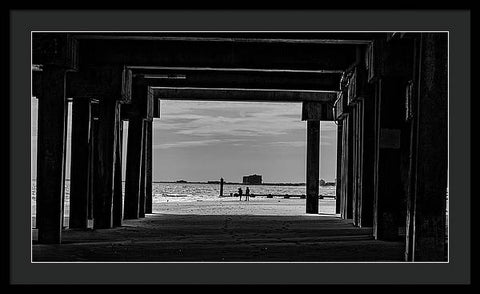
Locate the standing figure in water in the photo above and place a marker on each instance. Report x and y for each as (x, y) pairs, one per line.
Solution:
(247, 194)
(240, 192)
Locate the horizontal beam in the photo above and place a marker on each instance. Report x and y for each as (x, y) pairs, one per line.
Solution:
(101, 82)
(202, 77)
(142, 103)
(236, 79)
(236, 69)
(339, 39)
(237, 94)
(314, 111)
(58, 49)
(151, 52)
(98, 83)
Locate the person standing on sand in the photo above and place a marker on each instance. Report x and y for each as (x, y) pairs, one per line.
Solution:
(247, 194)
(240, 192)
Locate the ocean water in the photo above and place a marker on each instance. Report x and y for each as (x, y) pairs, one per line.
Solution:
(189, 192)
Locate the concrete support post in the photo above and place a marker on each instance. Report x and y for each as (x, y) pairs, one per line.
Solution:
(79, 169)
(148, 169)
(349, 167)
(132, 178)
(313, 159)
(221, 187)
(92, 161)
(104, 177)
(313, 113)
(367, 170)
(118, 190)
(141, 208)
(390, 191)
(359, 162)
(344, 161)
(350, 181)
(52, 116)
(338, 184)
(355, 163)
(430, 152)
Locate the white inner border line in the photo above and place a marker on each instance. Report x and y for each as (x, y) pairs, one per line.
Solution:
(288, 262)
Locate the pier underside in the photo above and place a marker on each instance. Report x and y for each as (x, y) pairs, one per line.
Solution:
(386, 92)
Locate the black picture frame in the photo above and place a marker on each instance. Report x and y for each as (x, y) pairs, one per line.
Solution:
(456, 22)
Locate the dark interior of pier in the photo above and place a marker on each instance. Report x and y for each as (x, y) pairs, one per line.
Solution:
(387, 92)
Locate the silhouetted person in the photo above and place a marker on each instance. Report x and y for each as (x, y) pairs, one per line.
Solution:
(240, 192)
(247, 194)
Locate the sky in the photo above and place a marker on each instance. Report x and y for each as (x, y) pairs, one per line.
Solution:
(204, 141)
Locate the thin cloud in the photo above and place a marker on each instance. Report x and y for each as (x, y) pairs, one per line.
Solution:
(185, 144)
(230, 120)
(289, 143)
(196, 143)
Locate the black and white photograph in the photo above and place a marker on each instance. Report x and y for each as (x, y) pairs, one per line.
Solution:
(239, 146)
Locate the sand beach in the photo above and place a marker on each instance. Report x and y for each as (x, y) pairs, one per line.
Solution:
(226, 230)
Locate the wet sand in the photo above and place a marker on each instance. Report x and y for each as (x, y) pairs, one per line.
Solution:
(261, 230)
(277, 206)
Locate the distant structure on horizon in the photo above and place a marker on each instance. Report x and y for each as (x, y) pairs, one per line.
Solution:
(252, 180)
(323, 183)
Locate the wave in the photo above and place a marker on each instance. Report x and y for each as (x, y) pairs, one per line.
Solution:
(175, 195)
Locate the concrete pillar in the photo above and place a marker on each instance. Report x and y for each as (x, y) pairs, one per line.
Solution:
(118, 191)
(359, 151)
(313, 158)
(343, 171)
(347, 180)
(338, 184)
(390, 191)
(355, 163)
(52, 116)
(148, 169)
(367, 170)
(395, 58)
(141, 208)
(104, 177)
(313, 113)
(92, 161)
(358, 168)
(377, 91)
(79, 168)
(132, 177)
(350, 181)
(221, 187)
(430, 152)
(64, 162)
